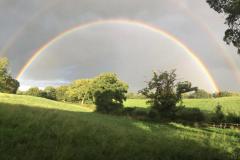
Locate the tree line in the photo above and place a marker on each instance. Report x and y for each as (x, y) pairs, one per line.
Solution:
(164, 94)
(106, 91)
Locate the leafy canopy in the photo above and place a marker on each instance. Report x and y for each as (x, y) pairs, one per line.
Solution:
(7, 83)
(164, 92)
(231, 8)
(109, 92)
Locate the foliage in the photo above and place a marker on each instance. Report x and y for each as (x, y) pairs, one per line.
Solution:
(231, 8)
(161, 93)
(35, 91)
(109, 92)
(164, 92)
(219, 115)
(80, 91)
(190, 114)
(50, 93)
(222, 94)
(200, 93)
(233, 118)
(61, 93)
(7, 83)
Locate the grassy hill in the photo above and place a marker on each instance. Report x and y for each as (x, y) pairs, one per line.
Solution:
(36, 128)
(230, 104)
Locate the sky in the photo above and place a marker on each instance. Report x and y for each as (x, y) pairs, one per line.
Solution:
(131, 51)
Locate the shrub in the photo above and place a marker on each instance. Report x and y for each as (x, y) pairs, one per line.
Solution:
(128, 111)
(190, 114)
(153, 114)
(50, 93)
(232, 118)
(218, 116)
(199, 94)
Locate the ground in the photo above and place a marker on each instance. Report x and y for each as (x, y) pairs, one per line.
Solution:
(36, 128)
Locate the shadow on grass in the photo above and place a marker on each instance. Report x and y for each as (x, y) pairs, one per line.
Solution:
(36, 133)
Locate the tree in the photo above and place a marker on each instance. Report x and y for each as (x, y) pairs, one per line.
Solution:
(161, 93)
(61, 93)
(164, 92)
(80, 91)
(109, 92)
(35, 91)
(231, 8)
(200, 94)
(185, 87)
(7, 83)
(50, 93)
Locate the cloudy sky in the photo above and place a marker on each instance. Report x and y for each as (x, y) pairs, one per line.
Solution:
(129, 50)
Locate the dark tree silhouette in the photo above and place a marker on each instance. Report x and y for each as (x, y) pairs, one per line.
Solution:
(231, 8)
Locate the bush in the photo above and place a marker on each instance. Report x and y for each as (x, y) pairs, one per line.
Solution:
(190, 114)
(153, 114)
(50, 93)
(232, 118)
(218, 117)
(128, 111)
(199, 94)
(222, 94)
(109, 93)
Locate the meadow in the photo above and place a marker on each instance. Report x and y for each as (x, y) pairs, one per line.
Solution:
(37, 128)
(229, 104)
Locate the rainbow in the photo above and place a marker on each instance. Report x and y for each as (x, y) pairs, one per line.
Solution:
(223, 50)
(123, 21)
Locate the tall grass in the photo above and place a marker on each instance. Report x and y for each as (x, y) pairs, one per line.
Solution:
(53, 130)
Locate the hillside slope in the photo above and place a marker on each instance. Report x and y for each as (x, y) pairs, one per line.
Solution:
(35, 128)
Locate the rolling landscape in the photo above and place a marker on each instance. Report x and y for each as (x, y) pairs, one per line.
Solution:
(32, 126)
(120, 80)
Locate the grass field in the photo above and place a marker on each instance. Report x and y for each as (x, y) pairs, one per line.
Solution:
(37, 129)
(230, 104)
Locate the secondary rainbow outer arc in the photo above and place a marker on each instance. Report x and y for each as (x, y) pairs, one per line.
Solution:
(123, 21)
(228, 59)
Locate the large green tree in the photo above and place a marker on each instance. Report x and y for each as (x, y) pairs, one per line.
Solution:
(109, 92)
(35, 91)
(50, 93)
(61, 93)
(80, 91)
(7, 83)
(164, 92)
(231, 8)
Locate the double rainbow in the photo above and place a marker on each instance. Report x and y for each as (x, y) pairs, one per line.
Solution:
(141, 24)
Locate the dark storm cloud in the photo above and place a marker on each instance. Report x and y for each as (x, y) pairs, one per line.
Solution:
(44, 19)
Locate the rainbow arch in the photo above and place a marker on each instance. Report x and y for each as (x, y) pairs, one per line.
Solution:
(123, 21)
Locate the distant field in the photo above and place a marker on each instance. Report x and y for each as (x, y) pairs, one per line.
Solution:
(34, 129)
(230, 104)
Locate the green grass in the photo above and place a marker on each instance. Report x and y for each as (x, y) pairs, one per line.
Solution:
(37, 129)
(40, 102)
(230, 104)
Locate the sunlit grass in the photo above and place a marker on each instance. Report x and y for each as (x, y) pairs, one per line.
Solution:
(36, 128)
(40, 102)
(230, 104)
